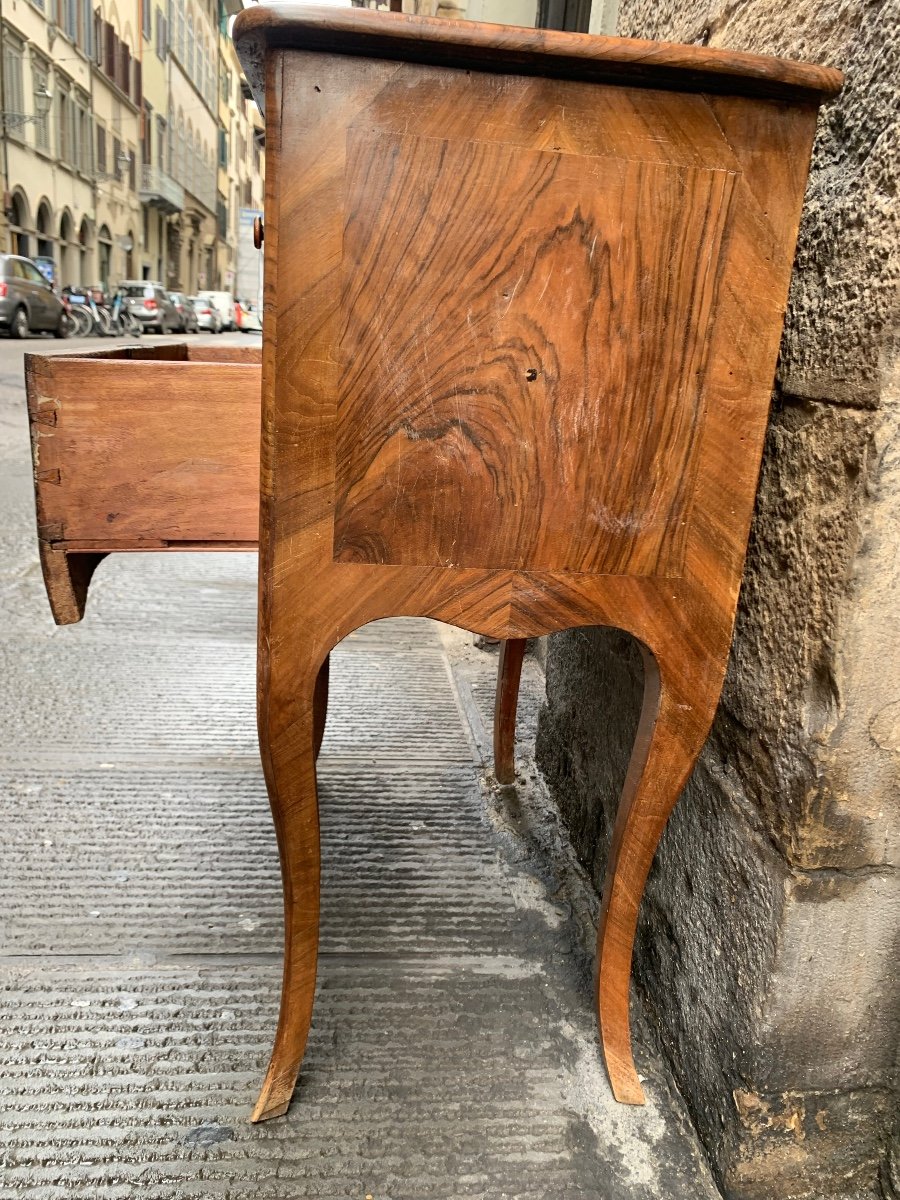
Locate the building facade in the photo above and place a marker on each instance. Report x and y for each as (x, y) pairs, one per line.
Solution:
(127, 141)
(240, 164)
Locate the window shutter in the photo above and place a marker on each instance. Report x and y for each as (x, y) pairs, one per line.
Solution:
(87, 28)
(137, 79)
(124, 80)
(109, 50)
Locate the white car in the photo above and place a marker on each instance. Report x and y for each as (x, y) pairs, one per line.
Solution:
(223, 302)
(247, 317)
(208, 317)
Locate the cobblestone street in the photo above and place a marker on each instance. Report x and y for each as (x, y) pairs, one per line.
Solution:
(453, 1051)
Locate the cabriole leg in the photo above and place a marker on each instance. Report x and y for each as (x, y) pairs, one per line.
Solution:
(289, 763)
(673, 727)
(509, 672)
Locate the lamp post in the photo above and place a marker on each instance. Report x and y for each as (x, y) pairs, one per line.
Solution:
(43, 99)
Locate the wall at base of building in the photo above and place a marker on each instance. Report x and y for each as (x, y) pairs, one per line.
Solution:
(767, 947)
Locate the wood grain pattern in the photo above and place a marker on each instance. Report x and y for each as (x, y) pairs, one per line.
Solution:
(410, 467)
(510, 358)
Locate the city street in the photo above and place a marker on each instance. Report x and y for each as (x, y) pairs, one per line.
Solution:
(453, 1051)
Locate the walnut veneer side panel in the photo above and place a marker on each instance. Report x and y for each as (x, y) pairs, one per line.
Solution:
(541, 359)
(393, 335)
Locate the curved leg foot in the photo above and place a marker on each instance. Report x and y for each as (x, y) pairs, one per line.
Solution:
(673, 727)
(289, 762)
(320, 706)
(509, 672)
(67, 578)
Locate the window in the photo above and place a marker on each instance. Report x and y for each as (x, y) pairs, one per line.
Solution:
(13, 86)
(222, 216)
(116, 155)
(40, 76)
(132, 168)
(123, 65)
(109, 50)
(86, 141)
(69, 21)
(87, 29)
(190, 161)
(573, 15)
(138, 291)
(162, 35)
(147, 134)
(32, 274)
(65, 117)
(101, 150)
(82, 114)
(147, 19)
(223, 148)
(190, 49)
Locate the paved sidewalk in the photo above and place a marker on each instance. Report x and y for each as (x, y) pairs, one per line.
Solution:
(453, 1051)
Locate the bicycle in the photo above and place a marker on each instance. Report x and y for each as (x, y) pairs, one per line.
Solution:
(88, 318)
(122, 321)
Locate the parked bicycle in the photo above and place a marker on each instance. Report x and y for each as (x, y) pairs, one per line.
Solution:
(122, 320)
(87, 315)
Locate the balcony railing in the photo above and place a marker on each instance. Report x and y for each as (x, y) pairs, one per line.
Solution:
(161, 190)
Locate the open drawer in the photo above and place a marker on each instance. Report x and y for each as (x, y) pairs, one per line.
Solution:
(141, 448)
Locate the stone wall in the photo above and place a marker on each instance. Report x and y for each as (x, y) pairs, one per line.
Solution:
(768, 946)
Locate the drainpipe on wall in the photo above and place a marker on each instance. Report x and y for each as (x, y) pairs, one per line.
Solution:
(95, 186)
(4, 217)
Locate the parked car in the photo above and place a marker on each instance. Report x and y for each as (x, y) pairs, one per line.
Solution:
(224, 303)
(186, 315)
(247, 317)
(27, 301)
(149, 301)
(207, 314)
